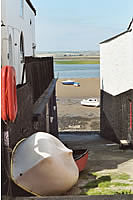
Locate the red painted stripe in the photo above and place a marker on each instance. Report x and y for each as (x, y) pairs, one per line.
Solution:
(130, 115)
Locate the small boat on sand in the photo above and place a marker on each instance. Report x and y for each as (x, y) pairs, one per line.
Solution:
(68, 82)
(76, 84)
(90, 102)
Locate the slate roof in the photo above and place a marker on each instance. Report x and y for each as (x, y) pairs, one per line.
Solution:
(31, 6)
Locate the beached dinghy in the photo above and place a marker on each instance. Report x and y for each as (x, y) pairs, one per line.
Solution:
(42, 165)
(68, 82)
(76, 84)
(90, 102)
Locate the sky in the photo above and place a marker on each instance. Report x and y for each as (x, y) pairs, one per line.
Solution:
(73, 25)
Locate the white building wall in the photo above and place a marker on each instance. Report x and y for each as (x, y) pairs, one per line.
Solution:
(116, 64)
(29, 31)
(18, 23)
(3, 33)
(15, 24)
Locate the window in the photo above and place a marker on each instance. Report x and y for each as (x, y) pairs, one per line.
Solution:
(21, 48)
(21, 8)
(10, 51)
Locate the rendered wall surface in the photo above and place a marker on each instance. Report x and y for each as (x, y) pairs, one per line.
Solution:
(116, 64)
(115, 116)
(15, 24)
(116, 84)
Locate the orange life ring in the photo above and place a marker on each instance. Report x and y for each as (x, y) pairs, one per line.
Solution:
(8, 93)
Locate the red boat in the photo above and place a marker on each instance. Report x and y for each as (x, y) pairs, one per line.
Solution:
(81, 157)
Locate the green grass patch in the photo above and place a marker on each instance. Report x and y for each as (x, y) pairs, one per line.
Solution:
(103, 182)
(114, 176)
(103, 185)
(94, 174)
(106, 191)
(117, 184)
(121, 176)
(95, 183)
(95, 61)
(109, 184)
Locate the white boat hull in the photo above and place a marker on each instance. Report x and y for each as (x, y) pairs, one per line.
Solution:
(42, 165)
(90, 102)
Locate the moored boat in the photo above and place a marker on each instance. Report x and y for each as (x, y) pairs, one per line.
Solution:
(90, 102)
(76, 84)
(68, 82)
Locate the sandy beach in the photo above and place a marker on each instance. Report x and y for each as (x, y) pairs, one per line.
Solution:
(89, 87)
(71, 114)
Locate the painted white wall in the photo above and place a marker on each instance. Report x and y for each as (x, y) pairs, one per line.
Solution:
(116, 64)
(15, 24)
(4, 39)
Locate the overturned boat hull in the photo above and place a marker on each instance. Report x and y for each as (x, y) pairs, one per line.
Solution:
(42, 165)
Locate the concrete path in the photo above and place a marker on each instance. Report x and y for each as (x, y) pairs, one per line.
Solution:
(105, 157)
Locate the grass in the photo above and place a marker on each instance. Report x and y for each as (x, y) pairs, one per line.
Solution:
(122, 176)
(114, 176)
(94, 61)
(107, 191)
(105, 185)
(95, 183)
(109, 184)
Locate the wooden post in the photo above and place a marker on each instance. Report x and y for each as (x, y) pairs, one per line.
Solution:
(47, 118)
(130, 116)
(47, 102)
(51, 114)
(7, 162)
(55, 114)
(130, 121)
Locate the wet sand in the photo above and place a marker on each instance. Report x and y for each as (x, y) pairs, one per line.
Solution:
(89, 87)
(71, 114)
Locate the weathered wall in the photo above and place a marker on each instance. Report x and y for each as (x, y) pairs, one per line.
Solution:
(14, 25)
(116, 84)
(115, 116)
(18, 23)
(21, 128)
(116, 64)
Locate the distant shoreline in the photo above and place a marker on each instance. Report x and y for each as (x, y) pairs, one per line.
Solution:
(79, 61)
(83, 57)
(71, 55)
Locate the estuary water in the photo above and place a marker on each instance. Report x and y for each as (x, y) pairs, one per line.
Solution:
(77, 70)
